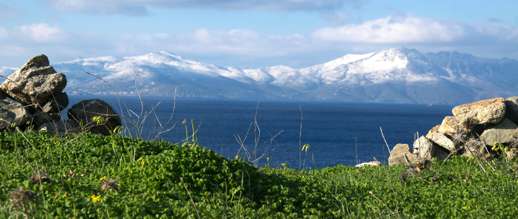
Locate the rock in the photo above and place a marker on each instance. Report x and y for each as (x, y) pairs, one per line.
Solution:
(58, 127)
(36, 62)
(39, 118)
(400, 154)
(35, 82)
(53, 108)
(489, 111)
(441, 140)
(423, 148)
(452, 127)
(369, 164)
(440, 153)
(504, 133)
(32, 98)
(12, 113)
(476, 149)
(95, 116)
(511, 104)
(58, 102)
(511, 153)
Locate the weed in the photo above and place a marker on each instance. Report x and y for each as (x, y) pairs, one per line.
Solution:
(115, 176)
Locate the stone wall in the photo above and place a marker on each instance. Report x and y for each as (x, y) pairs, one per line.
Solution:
(33, 97)
(484, 129)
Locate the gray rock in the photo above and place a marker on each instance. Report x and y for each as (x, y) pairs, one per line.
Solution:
(56, 127)
(83, 115)
(400, 154)
(12, 114)
(511, 153)
(35, 82)
(36, 62)
(440, 153)
(504, 133)
(58, 102)
(441, 140)
(39, 118)
(369, 164)
(511, 104)
(489, 111)
(423, 148)
(452, 127)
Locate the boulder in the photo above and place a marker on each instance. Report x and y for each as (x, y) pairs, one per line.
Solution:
(452, 127)
(32, 97)
(95, 116)
(489, 111)
(441, 140)
(56, 127)
(12, 113)
(369, 164)
(422, 148)
(39, 118)
(400, 154)
(439, 152)
(36, 62)
(503, 133)
(57, 102)
(511, 153)
(35, 82)
(511, 104)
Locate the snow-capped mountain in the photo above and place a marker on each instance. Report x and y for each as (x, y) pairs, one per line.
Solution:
(392, 75)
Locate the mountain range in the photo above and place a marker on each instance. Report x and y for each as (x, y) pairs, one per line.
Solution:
(393, 76)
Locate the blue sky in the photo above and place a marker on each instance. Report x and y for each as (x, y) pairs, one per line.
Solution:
(252, 33)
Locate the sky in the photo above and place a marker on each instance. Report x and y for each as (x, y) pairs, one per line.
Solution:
(253, 33)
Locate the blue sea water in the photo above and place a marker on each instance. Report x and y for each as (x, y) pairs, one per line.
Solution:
(337, 133)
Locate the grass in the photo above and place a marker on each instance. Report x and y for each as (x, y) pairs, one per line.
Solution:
(93, 176)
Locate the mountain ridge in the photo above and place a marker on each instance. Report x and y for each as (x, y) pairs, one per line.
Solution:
(395, 75)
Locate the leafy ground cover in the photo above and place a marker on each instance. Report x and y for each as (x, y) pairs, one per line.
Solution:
(93, 176)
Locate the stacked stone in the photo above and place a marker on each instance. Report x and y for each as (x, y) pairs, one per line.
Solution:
(36, 91)
(473, 131)
(33, 97)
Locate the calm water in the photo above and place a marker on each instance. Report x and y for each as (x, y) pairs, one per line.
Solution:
(338, 133)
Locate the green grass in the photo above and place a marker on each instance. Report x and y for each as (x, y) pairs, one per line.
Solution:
(159, 179)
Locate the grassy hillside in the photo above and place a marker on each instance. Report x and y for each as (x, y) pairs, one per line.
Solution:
(94, 176)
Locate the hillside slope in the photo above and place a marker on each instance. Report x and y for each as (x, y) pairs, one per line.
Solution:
(88, 176)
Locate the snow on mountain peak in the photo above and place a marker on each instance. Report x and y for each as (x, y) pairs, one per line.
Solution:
(384, 61)
(161, 57)
(375, 67)
(394, 75)
(344, 60)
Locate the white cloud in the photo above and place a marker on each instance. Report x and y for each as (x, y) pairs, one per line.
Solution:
(42, 32)
(245, 47)
(232, 42)
(393, 30)
(498, 31)
(139, 7)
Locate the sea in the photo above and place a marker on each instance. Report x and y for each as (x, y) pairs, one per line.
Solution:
(279, 134)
